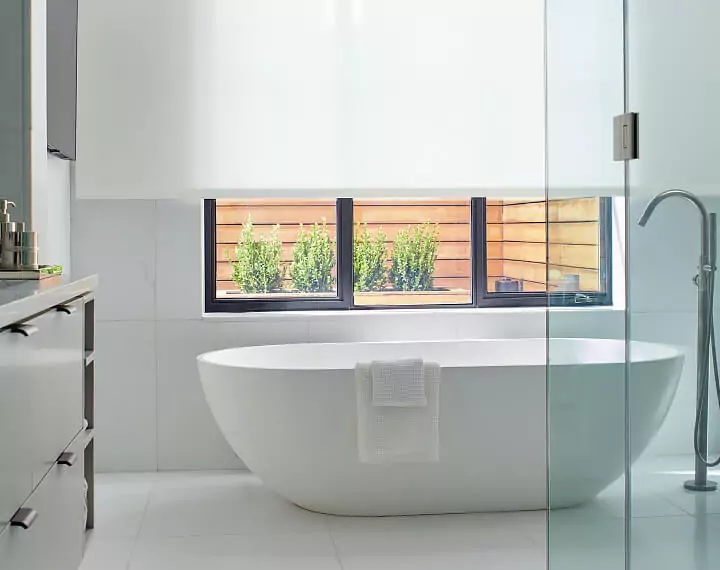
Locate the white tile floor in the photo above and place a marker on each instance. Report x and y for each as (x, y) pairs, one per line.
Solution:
(228, 520)
(670, 528)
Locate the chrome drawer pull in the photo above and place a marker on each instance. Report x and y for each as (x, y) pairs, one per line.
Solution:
(24, 518)
(67, 309)
(25, 330)
(68, 458)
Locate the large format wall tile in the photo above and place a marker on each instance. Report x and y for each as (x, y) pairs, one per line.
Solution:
(125, 396)
(188, 437)
(116, 239)
(179, 260)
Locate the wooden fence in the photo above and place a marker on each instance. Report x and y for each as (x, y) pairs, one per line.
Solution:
(453, 267)
(519, 246)
(516, 235)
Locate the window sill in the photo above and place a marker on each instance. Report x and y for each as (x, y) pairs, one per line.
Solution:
(395, 313)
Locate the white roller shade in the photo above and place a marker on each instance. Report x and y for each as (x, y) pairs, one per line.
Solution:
(203, 98)
(585, 78)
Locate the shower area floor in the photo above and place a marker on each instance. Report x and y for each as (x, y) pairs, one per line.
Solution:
(228, 520)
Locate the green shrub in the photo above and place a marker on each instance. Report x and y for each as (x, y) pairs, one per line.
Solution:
(369, 260)
(257, 265)
(414, 256)
(313, 260)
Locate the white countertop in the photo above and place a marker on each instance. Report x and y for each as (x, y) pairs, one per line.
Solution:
(22, 299)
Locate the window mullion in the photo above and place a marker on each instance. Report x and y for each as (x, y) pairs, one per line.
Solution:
(345, 226)
(478, 250)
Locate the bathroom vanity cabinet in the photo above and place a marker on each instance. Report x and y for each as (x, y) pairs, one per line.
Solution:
(46, 422)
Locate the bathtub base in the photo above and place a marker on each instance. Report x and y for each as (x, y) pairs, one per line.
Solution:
(406, 513)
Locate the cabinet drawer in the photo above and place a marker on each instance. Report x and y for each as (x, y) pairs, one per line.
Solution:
(45, 378)
(54, 540)
(55, 376)
(15, 417)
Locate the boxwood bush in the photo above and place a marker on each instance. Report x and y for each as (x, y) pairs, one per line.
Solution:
(313, 260)
(414, 256)
(257, 266)
(370, 258)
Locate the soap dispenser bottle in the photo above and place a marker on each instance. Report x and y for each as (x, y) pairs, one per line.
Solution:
(5, 224)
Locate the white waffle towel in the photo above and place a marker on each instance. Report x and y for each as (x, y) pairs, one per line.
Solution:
(398, 434)
(398, 383)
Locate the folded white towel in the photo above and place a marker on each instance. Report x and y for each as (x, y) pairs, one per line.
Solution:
(398, 383)
(392, 434)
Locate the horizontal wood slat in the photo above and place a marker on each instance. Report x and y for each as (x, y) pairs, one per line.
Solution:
(581, 209)
(399, 299)
(495, 267)
(494, 214)
(571, 234)
(399, 203)
(583, 256)
(265, 202)
(443, 268)
(229, 234)
(460, 283)
(446, 250)
(537, 273)
(417, 214)
(279, 214)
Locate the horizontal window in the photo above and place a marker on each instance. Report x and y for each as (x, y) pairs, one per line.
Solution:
(269, 255)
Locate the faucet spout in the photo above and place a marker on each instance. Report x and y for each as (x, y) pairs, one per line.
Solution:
(706, 250)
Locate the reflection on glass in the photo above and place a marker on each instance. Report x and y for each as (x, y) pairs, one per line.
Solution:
(538, 246)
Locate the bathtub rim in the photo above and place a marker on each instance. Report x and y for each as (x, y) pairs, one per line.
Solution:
(667, 352)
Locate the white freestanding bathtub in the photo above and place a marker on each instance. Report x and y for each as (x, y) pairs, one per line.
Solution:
(289, 412)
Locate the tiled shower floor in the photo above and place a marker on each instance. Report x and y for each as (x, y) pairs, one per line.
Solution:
(228, 520)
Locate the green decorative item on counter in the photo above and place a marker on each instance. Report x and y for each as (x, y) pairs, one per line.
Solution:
(414, 257)
(51, 269)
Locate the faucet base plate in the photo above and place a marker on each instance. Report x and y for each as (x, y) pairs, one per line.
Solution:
(705, 486)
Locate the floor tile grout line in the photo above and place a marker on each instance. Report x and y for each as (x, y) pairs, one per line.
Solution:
(326, 523)
(155, 338)
(136, 538)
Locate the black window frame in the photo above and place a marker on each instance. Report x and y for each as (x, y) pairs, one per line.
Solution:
(344, 300)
